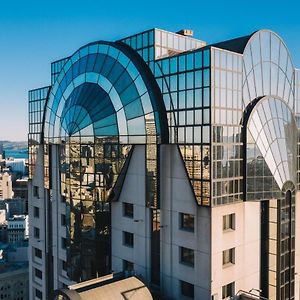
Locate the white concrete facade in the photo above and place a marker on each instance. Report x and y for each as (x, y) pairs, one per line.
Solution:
(208, 239)
(58, 277)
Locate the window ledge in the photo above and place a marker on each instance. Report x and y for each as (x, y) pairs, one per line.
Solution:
(186, 230)
(228, 265)
(187, 264)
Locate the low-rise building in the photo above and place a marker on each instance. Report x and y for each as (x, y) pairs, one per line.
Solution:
(14, 280)
(6, 191)
(17, 165)
(20, 189)
(15, 206)
(17, 228)
(3, 232)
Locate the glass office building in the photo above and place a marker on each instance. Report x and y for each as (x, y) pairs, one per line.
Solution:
(176, 160)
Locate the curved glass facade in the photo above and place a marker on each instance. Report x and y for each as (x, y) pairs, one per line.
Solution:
(267, 68)
(271, 148)
(230, 109)
(101, 92)
(102, 103)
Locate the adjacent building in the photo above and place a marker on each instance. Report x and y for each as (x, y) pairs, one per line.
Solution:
(15, 206)
(17, 229)
(14, 281)
(176, 160)
(16, 165)
(6, 191)
(20, 189)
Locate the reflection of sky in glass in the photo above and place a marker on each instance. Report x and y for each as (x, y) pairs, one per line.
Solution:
(99, 92)
(268, 69)
(273, 128)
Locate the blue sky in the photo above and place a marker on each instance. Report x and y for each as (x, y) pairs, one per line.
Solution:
(34, 33)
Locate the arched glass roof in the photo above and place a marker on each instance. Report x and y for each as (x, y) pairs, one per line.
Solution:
(101, 91)
(267, 68)
(272, 127)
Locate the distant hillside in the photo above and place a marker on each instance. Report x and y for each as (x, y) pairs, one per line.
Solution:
(14, 145)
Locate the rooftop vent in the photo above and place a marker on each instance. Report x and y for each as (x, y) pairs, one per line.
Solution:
(186, 32)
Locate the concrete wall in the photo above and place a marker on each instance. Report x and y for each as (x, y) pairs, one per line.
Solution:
(246, 241)
(177, 197)
(35, 262)
(133, 191)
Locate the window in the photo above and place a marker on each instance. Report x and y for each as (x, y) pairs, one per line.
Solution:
(64, 265)
(187, 256)
(38, 273)
(63, 220)
(128, 239)
(229, 256)
(38, 253)
(187, 222)
(36, 232)
(128, 265)
(128, 210)
(229, 222)
(228, 290)
(38, 294)
(36, 191)
(187, 289)
(36, 212)
(64, 243)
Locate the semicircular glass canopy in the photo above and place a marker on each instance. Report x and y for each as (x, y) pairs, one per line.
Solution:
(271, 146)
(267, 68)
(101, 92)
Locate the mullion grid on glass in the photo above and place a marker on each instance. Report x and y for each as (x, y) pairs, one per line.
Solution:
(181, 79)
(37, 100)
(86, 180)
(226, 131)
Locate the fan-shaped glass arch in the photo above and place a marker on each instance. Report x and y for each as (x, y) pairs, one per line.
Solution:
(102, 92)
(104, 101)
(271, 148)
(267, 68)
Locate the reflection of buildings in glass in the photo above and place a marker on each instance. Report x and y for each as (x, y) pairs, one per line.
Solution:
(158, 152)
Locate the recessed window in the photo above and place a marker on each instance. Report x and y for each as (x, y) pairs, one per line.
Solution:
(229, 222)
(187, 222)
(38, 273)
(38, 294)
(36, 232)
(228, 290)
(64, 243)
(38, 253)
(229, 256)
(128, 265)
(64, 265)
(128, 210)
(187, 256)
(36, 191)
(36, 212)
(187, 289)
(128, 239)
(63, 220)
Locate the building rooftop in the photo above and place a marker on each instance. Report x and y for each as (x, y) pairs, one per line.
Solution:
(17, 218)
(110, 287)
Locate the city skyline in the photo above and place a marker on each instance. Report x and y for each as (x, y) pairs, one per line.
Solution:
(33, 35)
